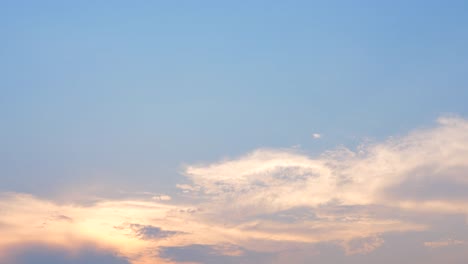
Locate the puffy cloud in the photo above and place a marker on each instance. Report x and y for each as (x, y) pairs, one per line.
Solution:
(273, 180)
(27, 219)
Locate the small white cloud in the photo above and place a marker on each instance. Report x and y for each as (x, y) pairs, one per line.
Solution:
(316, 135)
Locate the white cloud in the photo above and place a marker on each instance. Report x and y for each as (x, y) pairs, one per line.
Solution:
(269, 180)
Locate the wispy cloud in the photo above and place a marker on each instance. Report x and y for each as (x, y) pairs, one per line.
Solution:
(282, 179)
(443, 243)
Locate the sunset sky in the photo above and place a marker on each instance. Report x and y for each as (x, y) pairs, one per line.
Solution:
(284, 132)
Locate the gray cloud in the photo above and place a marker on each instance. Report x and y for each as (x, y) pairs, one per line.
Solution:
(211, 254)
(151, 232)
(46, 254)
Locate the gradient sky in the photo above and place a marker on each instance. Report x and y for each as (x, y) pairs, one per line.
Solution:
(233, 132)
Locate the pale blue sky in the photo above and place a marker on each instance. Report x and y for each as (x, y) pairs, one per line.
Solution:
(119, 90)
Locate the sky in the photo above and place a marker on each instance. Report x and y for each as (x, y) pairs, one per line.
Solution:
(233, 132)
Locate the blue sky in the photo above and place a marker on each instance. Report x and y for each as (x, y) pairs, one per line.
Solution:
(87, 85)
(114, 99)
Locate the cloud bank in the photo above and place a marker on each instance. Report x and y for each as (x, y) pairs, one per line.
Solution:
(270, 202)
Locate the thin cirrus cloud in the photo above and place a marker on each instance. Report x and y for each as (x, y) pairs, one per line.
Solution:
(264, 205)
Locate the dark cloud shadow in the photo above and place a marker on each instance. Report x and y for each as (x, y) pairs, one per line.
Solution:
(149, 232)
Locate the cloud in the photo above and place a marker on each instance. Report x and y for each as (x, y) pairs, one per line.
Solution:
(316, 135)
(268, 203)
(213, 254)
(274, 180)
(28, 219)
(399, 175)
(151, 232)
(46, 254)
(362, 245)
(162, 197)
(443, 243)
